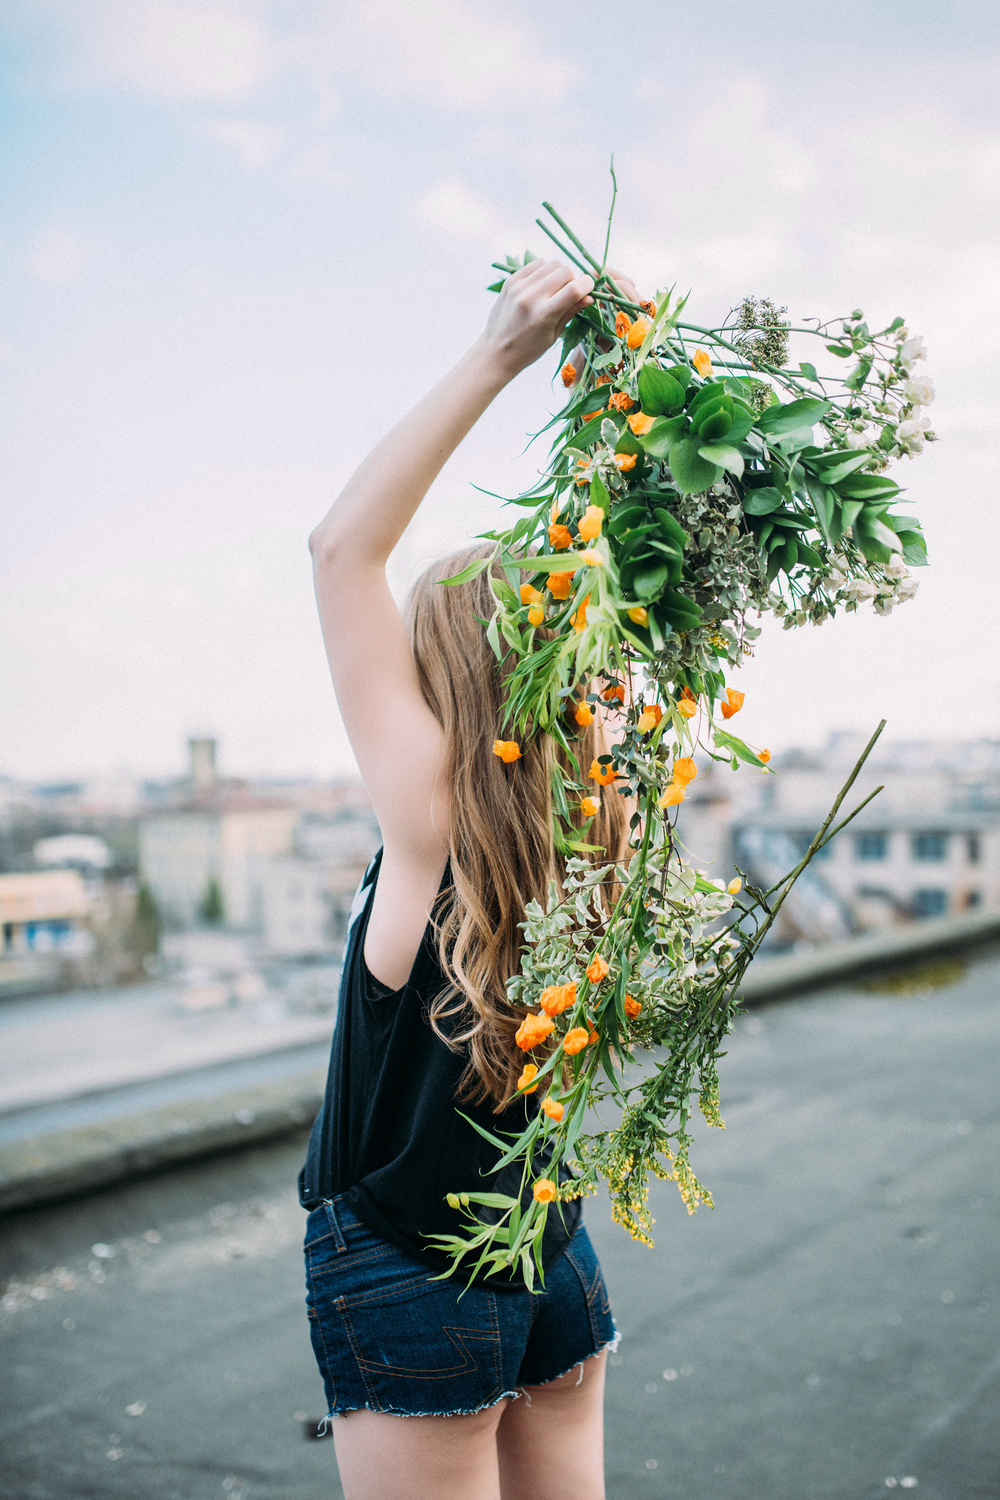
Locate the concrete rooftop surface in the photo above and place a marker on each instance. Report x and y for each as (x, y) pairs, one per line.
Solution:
(831, 1329)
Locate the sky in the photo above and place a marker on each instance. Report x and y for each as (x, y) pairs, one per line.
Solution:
(239, 238)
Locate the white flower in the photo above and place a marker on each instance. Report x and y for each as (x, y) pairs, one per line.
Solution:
(835, 580)
(919, 392)
(910, 434)
(860, 588)
(911, 351)
(906, 590)
(897, 568)
(884, 606)
(856, 439)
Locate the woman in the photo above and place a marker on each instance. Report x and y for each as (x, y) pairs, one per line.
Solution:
(508, 1384)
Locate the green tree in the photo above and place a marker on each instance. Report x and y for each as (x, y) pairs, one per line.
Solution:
(147, 923)
(212, 909)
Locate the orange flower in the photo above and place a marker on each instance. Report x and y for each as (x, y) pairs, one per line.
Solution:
(589, 416)
(528, 1072)
(584, 714)
(612, 691)
(764, 756)
(591, 558)
(544, 1190)
(639, 615)
(672, 796)
(530, 595)
(621, 401)
(560, 537)
(603, 380)
(625, 461)
(574, 1041)
(685, 770)
(622, 324)
(640, 423)
(560, 585)
(688, 707)
(532, 1030)
(632, 1007)
(590, 523)
(536, 615)
(638, 332)
(508, 750)
(602, 773)
(597, 969)
(649, 307)
(702, 363)
(579, 616)
(651, 715)
(557, 998)
(568, 373)
(735, 886)
(687, 693)
(733, 703)
(553, 1110)
(589, 806)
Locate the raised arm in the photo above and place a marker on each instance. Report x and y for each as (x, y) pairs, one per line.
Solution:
(395, 737)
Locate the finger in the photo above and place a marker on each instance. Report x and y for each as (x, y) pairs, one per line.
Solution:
(568, 301)
(533, 269)
(625, 284)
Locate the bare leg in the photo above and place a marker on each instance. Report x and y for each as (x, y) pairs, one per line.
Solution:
(382, 1457)
(553, 1448)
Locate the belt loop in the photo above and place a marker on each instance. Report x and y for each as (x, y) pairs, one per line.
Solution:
(335, 1231)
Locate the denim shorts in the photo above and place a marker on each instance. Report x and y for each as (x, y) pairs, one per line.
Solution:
(388, 1337)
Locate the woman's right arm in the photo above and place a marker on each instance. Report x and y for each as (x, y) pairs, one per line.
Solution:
(395, 737)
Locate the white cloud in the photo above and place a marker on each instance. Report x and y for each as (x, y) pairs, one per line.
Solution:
(175, 50)
(252, 142)
(57, 257)
(454, 208)
(461, 55)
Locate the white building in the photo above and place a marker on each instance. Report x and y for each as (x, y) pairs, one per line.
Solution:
(223, 838)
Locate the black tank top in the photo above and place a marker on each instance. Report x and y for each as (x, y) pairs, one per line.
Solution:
(389, 1136)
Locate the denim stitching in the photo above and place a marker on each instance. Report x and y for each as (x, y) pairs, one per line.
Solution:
(456, 1337)
(327, 1371)
(332, 1231)
(357, 1258)
(589, 1294)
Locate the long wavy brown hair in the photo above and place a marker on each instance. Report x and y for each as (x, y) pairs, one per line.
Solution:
(501, 836)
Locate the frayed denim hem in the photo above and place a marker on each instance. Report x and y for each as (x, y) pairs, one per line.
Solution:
(609, 1348)
(472, 1411)
(394, 1411)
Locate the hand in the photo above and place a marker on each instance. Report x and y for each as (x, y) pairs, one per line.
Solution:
(628, 289)
(532, 310)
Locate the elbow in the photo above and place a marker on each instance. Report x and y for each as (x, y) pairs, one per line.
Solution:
(325, 547)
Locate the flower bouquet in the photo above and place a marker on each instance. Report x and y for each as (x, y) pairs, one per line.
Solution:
(695, 479)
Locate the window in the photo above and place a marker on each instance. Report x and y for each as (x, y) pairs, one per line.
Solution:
(871, 845)
(972, 848)
(930, 903)
(930, 846)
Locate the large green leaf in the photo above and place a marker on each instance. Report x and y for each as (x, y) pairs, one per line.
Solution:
(868, 487)
(472, 571)
(659, 393)
(690, 471)
(672, 528)
(664, 432)
(649, 581)
(743, 420)
(599, 494)
(681, 611)
(793, 415)
(762, 502)
(723, 455)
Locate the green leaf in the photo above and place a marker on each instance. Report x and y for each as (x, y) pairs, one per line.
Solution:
(590, 433)
(681, 611)
(792, 415)
(840, 351)
(762, 502)
(860, 373)
(659, 393)
(628, 443)
(472, 571)
(672, 529)
(663, 433)
(851, 509)
(833, 473)
(493, 636)
(599, 494)
(914, 549)
(724, 456)
(877, 530)
(649, 581)
(555, 562)
(869, 487)
(735, 746)
(690, 471)
(743, 420)
(808, 370)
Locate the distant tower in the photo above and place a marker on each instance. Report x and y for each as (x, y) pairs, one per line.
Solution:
(202, 753)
